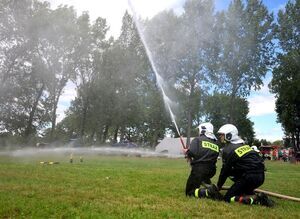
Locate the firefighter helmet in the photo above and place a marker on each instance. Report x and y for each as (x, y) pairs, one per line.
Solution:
(207, 129)
(230, 133)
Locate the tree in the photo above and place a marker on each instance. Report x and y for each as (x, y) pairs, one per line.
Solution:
(54, 41)
(278, 142)
(246, 48)
(193, 56)
(285, 84)
(180, 47)
(22, 96)
(139, 104)
(218, 108)
(161, 36)
(286, 76)
(88, 51)
(261, 142)
(37, 47)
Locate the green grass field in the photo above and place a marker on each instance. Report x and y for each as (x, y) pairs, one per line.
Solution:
(126, 187)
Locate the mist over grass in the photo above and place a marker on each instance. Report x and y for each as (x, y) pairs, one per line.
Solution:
(67, 150)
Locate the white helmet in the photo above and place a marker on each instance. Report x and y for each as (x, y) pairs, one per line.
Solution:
(207, 129)
(231, 133)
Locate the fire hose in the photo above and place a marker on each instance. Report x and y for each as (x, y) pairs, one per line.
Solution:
(182, 143)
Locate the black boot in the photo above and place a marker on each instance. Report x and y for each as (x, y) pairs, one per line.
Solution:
(264, 200)
(214, 193)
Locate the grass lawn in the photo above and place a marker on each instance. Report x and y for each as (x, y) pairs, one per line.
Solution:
(126, 187)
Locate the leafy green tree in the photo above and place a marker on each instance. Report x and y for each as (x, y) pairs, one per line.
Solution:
(287, 30)
(262, 142)
(194, 55)
(218, 109)
(285, 84)
(54, 41)
(140, 117)
(88, 51)
(181, 46)
(278, 142)
(37, 47)
(246, 48)
(162, 37)
(286, 76)
(22, 77)
(95, 91)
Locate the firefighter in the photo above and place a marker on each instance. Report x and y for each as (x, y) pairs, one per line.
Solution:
(244, 166)
(202, 153)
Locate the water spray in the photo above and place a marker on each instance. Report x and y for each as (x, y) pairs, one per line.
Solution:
(174, 121)
(158, 77)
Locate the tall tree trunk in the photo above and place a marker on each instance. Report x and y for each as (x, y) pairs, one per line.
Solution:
(28, 130)
(104, 133)
(190, 116)
(122, 134)
(231, 118)
(116, 134)
(293, 141)
(188, 134)
(83, 119)
(231, 103)
(297, 140)
(56, 97)
(153, 140)
(233, 96)
(53, 118)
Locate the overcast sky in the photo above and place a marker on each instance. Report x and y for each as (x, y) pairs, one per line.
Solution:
(261, 103)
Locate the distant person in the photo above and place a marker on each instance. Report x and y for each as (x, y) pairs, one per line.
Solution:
(285, 155)
(244, 166)
(274, 154)
(280, 154)
(203, 154)
(255, 148)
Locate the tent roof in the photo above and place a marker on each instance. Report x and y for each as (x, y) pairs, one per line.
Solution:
(170, 146)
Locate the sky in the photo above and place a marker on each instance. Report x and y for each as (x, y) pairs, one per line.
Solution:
(261, 103)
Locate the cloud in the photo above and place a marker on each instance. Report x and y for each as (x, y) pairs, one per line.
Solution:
(262, 102)
(261, 105)
(262, 113)
(270, 135)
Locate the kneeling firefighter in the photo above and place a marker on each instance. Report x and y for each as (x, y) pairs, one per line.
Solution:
(203, 154)
(244, 166)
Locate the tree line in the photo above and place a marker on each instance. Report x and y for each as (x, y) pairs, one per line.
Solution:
(208, 60)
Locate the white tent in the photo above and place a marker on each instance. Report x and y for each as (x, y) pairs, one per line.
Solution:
(170, 146)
